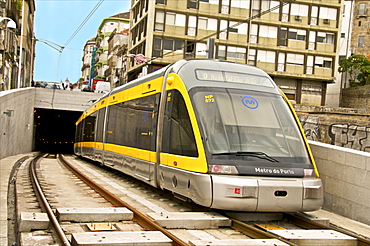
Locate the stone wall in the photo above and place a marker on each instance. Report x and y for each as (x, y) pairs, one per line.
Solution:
(356, 97)
(344, 127)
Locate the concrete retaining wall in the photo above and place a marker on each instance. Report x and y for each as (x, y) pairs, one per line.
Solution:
(344, 127)
(346, 177)
(64, 99)
(16, 121)
(16, 114)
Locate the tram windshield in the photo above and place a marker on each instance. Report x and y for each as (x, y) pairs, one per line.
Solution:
(247, 123)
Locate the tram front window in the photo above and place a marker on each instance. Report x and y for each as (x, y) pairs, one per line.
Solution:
(246, 123)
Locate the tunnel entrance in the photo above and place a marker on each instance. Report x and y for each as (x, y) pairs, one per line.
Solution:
(54, 130)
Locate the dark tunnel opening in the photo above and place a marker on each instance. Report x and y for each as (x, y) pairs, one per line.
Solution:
(54, 130)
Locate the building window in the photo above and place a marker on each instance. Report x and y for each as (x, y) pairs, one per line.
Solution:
(192, 26)
(225, 7)
(327, 64)
(359, 23)
(295, 59)
(342, 35)
(170, 18)
(361, 41)
(327, 38)
(252, 57)
(221, 53)
(224, 25)
(236, 52)
(190, 49)
(324, 62)
(297, 34)
(160, 1)
(283, 37)
(361, 9)
(202, 23)
(157, 47)
(266, 56)
(268, 31)
(173, 45)
(159, 21)
(256, 7)
(192, 4)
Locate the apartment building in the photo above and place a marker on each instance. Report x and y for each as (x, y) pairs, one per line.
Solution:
(89, 49)
(360, 42)
(116, 23)
(117, 55)
(17, 44)
(295, 42)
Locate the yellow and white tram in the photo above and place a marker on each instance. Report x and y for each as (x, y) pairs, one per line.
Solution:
(217, 133)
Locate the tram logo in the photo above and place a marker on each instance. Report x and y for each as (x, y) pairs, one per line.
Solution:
(250, 102)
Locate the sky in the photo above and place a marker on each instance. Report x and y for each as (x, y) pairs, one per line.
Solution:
(55, 23)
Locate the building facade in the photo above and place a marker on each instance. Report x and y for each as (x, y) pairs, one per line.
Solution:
(117, 55)
(116, 23)
(295, 42)
(88, 52)
(17, 45)
(360, 43)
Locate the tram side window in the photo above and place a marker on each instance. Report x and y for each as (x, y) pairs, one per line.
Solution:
(78, 134)
(112, 127)
(133, 123)
(146, 122)
(89, 128)
(178, 135)
(100, 125)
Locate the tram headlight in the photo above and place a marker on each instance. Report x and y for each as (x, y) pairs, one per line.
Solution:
(223, 169)
(313, 192)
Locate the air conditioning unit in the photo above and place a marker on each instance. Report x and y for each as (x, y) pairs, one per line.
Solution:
(297, 18)
(326, 21)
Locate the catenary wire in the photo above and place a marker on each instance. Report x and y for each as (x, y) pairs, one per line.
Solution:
(83, 23)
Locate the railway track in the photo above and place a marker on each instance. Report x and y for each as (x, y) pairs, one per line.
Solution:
(175, 227)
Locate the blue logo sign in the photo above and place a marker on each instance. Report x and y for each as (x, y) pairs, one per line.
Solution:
(250, 102)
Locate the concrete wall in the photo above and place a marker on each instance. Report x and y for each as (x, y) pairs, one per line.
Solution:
(346, 177)
(16, 127)
(64, 99)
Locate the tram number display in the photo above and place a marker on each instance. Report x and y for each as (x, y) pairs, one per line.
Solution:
(223, 76)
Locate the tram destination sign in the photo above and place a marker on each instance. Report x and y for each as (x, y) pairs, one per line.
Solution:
(233, 77)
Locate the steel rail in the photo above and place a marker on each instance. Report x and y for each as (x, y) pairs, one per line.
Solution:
(256, 233)
(44, 203)
(309, 224)
(142, 219)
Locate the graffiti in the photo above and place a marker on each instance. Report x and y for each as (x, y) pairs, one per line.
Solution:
(311, 127)
(345, 135)
(350, 136)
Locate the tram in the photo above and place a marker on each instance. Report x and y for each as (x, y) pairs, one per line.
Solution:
(217, 133)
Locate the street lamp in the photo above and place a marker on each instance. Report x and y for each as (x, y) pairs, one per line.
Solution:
(10, 24)
(7, 24)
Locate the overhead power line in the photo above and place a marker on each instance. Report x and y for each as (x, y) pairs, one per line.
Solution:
(83, 22)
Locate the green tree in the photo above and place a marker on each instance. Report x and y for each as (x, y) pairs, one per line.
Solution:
(358, 68)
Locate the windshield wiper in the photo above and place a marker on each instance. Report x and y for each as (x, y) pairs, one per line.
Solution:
(257, 154)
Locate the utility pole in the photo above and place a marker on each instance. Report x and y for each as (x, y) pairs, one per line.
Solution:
(210, 48)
